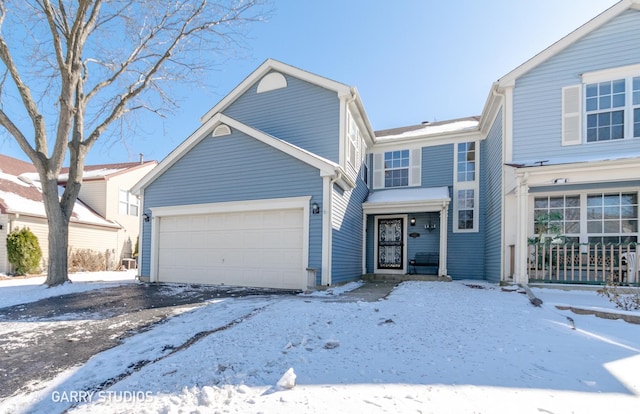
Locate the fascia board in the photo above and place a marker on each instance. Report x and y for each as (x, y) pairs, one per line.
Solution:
(428, 141)
(202, 132)
(406, 207)
(363, 114)
(580, 167)
(568, 40)
(491, 107)
(271, 64)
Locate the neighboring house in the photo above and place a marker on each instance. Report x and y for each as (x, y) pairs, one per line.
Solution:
(21, 206)
(566, 139)
(106, 188)
(285, 185)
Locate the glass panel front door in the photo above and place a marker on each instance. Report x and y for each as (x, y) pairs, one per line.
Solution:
(390, 246)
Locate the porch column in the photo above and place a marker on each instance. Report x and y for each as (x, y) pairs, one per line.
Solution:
(444, 214)
(522, 208)
(364, 243)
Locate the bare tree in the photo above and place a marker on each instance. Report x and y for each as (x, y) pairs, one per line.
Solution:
(78, 66)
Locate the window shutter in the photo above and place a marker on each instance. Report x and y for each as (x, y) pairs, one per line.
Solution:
(378, 171)
(415, 167)
(571, 115)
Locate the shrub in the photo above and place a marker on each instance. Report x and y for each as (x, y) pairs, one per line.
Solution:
(625, 299)
(86, 260)
(24, 251)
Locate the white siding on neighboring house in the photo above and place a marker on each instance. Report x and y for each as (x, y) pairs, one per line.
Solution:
(94, 238)
(81, 236)
(130, 223)
(93, 193)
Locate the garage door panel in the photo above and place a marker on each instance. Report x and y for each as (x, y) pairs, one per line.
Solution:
(255, 248)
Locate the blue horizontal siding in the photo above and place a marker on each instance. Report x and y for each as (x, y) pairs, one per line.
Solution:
(537, 122)
(303, 114)
(347, 233)
(234, 168)
(437, 166)
(491, 191)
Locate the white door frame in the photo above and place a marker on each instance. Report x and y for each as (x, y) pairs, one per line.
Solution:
(402, 270)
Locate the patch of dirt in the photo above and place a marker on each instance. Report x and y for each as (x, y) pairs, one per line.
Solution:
(89, 323)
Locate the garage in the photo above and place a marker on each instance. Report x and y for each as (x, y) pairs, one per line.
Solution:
(258, 248)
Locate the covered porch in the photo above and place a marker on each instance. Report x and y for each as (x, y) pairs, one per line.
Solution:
(406, 231)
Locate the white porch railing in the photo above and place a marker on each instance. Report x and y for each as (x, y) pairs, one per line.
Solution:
(594, 263)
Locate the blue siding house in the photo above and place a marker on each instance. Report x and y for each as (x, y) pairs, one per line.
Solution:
(285, 184)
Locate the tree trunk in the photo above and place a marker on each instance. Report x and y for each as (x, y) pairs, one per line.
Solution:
(58, 216)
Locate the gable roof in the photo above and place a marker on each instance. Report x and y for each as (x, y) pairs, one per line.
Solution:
(426, 129)
(267, 66)
(568, 40)
(326, 167)
(104, 171)
(21, 193)
(15, 166)
(342, 90)
(493, 102)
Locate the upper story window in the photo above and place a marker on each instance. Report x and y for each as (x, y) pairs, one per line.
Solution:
(605, 107)
(128, 203)
(396, 168)
(353, 143)
(466, 161)
(365, 170)
(465, 187)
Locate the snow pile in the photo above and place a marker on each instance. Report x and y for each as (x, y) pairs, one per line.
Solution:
(435, 347)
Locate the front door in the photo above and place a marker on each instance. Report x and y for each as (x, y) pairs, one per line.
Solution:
(390, 243)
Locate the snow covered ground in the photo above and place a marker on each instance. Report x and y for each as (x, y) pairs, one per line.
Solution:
(429, 348)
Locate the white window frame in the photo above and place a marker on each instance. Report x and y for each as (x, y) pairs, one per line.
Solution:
(364, 175)
(354, 140)
(415, 168)
(584, 234)
(466, 185)
(574, 108)
(129, 201)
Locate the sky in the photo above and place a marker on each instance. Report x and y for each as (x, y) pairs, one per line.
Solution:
(411, 60)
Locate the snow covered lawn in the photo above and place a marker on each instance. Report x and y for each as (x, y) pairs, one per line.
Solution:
(430, 347)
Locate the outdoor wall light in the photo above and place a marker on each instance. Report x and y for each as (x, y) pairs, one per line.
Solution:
(0, 226)
(315, 208)
(146, 217)
(412, 221)
(431, 226)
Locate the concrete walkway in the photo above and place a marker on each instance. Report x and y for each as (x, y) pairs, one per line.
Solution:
(371, 291)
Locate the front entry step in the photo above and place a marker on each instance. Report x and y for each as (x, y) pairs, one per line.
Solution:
(373, 277)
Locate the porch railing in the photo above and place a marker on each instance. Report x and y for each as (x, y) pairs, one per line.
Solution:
(592, 263)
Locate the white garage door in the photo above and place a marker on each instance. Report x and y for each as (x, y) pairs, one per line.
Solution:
(252, 248)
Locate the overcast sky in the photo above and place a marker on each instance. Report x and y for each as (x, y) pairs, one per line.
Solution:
(411, 60)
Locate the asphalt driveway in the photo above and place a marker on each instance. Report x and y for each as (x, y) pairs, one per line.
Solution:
(88, 323)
